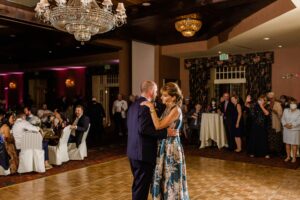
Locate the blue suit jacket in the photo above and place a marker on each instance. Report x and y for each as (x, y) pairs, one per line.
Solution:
(142, 136)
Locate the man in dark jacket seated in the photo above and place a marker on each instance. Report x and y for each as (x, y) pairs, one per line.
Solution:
(79, 126)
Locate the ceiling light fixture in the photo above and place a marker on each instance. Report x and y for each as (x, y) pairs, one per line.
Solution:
(188, 25)
(266, 38)
(146, 4)
(279, 46)
(82, 18)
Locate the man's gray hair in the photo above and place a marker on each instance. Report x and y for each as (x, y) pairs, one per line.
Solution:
(147, 85)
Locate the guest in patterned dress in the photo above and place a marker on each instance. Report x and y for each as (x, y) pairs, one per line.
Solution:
(291, 130)
(9, 142)
(169, 181)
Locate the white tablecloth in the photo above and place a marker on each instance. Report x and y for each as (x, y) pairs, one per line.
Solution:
(212, 128)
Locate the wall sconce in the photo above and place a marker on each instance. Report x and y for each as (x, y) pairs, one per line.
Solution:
(69, 83)
(12, 85)
(290, 75)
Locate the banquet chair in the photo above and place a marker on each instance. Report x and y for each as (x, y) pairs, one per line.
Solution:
(81, 152)
(4, 172)
(31, 156)
(59, 153)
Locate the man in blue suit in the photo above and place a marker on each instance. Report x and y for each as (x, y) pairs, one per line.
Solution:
(142, 142)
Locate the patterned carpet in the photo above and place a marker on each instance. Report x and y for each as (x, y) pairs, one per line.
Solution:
(111, 152)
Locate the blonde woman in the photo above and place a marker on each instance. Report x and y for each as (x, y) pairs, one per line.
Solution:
(169, 180)
(291, 130)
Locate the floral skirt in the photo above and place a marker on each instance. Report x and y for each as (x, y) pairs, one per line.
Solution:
(169, 181)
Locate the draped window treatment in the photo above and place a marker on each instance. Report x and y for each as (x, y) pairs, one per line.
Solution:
(258, 73)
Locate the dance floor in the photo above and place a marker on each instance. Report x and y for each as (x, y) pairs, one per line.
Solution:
(207, 179)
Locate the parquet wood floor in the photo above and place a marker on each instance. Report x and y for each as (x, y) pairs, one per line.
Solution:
(209, 179)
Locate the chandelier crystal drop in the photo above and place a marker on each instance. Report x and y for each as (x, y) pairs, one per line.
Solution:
(188, 25)
(82, 18)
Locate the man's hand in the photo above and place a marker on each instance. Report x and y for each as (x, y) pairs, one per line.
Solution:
(172, 132)
(73, 127)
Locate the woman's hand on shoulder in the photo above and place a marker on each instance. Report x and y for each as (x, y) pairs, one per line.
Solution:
(148, 104)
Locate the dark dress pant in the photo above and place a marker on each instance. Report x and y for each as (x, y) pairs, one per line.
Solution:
(142, 174)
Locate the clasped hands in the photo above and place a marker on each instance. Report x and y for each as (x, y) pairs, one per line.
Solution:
(170, 130)
(288, 125)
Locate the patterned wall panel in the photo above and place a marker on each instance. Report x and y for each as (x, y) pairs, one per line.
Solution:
(258, 73)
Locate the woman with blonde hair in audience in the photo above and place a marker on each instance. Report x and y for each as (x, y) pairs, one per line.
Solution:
(9, 141)
(291, 130)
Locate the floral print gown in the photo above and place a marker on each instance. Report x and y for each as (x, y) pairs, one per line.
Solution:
(169, 181)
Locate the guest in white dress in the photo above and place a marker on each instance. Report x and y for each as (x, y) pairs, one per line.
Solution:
(291, 130)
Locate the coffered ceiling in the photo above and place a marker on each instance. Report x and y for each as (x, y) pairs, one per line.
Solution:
(25, 40)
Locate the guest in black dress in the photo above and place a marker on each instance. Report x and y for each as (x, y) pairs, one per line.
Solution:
(247, 120)
(260, 117)
(237, 123)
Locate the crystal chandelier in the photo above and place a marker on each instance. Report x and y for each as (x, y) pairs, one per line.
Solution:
(82, 18)
(188, 25)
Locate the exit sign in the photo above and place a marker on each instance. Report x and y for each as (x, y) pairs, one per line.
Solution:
(223, 56)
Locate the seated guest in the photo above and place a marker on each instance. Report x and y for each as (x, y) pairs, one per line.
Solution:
(58, 122)
(44, 113)
(34, 120)
(19, 129)
(9, 142)
(291, 130)
(4, 162)
(79, 126)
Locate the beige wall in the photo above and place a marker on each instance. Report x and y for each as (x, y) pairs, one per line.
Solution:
(143, 64)
(286, 61)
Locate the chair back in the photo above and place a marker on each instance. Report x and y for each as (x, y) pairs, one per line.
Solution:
(85, 134)
(32, 140)
(65, 136)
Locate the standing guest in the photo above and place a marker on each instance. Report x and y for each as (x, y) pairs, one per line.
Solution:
(142, 142)
(284, 101)
(194, 117)
(212, 108)
(79, 126)
(275, 136)
(185, 112)
(247, 118)
(96, 113)
(9, 141)
(237, 123)
(227, 108)
(291, 130)
(131, 100)
(119, 113)
(260, 118)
